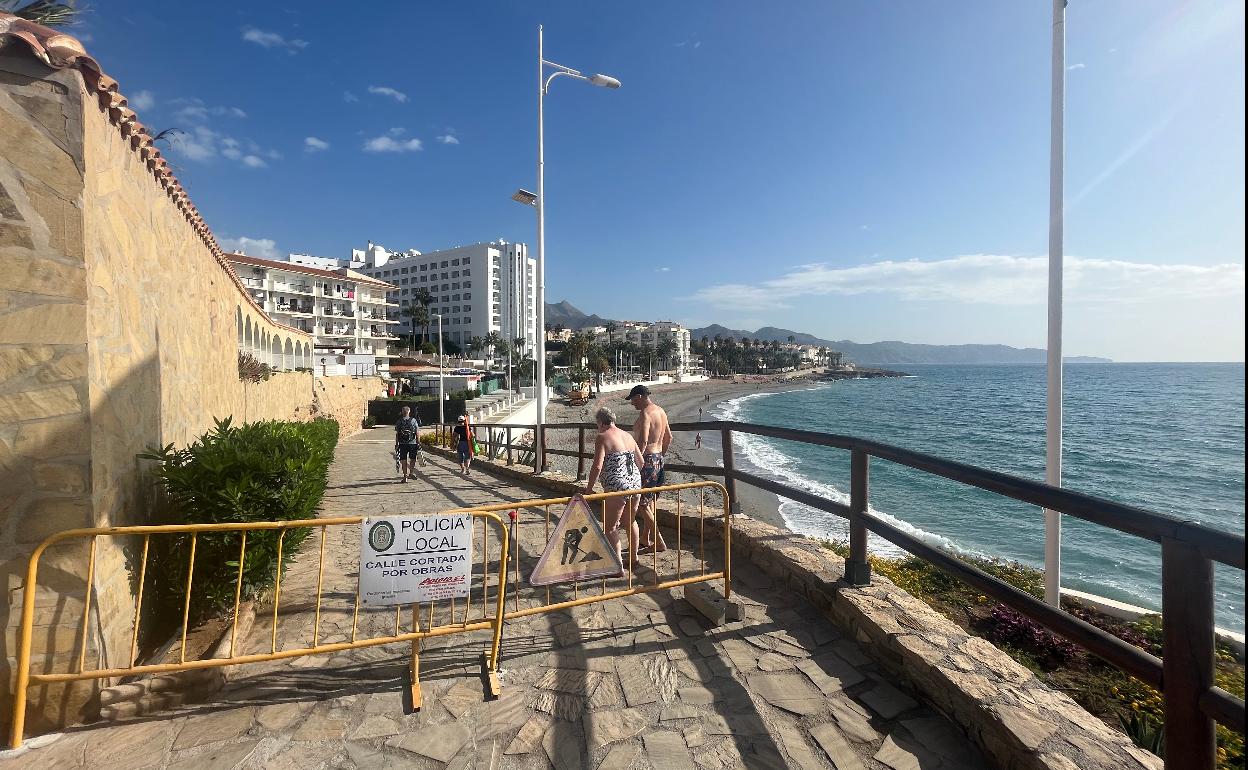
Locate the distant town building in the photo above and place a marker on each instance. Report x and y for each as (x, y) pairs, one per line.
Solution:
(650, 335)
(478, 289)
(344, 311)
(559, 335)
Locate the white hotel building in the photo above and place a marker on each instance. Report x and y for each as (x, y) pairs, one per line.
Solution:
(478, 289)
(344, 311)
(650, 335)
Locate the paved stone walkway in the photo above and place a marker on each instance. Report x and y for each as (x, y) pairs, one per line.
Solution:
(640, 682)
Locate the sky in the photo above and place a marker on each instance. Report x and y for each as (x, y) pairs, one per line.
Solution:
(854, 169)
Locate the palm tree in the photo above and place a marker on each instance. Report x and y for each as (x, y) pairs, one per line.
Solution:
(666, 349)
(474, 346)
(492, 341)
(611, 327)
(424, 299)
(44, 12)
(419, 314)
(792, 339)
(517, 346)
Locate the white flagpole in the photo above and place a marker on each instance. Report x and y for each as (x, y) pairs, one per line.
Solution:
(1053, 420)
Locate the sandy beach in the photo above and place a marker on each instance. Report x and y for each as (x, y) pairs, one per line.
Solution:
(682, 401)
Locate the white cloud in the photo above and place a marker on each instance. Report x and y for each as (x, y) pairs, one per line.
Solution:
(142, 100)
(985, 279)
(1077, 66)
(663, 270)
(312, 144)
(349, 97)
(389, 143)
(264, 248)
(195, 111)
(394, 94)
(202, 144)
(448, 139)
(273, 40)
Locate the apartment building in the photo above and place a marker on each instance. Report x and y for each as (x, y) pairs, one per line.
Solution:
(346, 312)
(478, 289)
(650, 335)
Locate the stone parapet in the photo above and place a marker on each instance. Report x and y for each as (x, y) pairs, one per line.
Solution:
(120, 327)
(1018, 721)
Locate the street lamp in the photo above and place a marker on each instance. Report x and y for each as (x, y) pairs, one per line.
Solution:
(538, 201)
(441, 390)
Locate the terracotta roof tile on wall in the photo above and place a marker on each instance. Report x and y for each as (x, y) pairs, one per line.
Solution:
(61, 51)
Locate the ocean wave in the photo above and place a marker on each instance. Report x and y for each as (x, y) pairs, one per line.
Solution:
(764, 456)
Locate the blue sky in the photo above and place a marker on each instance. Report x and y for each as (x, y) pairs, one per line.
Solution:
(857, 170)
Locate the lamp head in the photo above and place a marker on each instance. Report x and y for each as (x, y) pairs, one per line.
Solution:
(604, 81)
(524, 196)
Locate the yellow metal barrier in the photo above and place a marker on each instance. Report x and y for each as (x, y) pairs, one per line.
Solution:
(657, 584)
(25, 678)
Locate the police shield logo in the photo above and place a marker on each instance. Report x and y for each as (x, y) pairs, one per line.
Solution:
(381, 536)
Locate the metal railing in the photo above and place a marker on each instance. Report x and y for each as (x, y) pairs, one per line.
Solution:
(487, 620)
(1184, 675)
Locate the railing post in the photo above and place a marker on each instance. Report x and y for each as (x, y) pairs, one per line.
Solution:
(857, 568)
(543, 467)
(580, 456)
(1187, 655)
(509, 445)
(730, 480)
(489, 441)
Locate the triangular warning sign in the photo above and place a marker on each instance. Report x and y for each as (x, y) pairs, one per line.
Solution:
(577, 550)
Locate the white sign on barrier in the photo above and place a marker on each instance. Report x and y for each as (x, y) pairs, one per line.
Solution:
(411, 559)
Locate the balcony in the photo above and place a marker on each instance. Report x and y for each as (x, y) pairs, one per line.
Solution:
(292, 288)
(253, 283)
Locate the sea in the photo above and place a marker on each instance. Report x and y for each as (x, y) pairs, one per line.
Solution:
(1166, 437)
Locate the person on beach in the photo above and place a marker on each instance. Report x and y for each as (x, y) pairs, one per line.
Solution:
(463, 445)
(617, 462)
(697, 441)
(407, 442)
(654, 436)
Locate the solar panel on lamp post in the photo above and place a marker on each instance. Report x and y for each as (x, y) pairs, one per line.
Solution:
(538, 201)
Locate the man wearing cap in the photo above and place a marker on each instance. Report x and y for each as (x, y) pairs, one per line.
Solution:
(654, 436)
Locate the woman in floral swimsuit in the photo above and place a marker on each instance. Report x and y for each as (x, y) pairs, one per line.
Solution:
(617, 463)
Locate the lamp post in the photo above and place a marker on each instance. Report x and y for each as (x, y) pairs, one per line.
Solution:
(538, 201)
(1053, 412)
(441, 376)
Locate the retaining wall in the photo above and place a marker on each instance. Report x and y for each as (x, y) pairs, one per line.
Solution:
(120, 326)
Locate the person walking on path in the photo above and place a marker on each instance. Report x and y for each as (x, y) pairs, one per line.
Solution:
(653, 435)
(617, 461)
(407, 442)
(463, 445)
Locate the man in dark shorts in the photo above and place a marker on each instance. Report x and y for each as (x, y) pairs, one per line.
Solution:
(407, 442)
(654, 436)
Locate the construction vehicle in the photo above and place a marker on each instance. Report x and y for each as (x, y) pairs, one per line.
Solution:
(580, 395)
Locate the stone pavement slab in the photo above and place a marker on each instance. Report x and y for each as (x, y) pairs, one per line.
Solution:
(636, 682)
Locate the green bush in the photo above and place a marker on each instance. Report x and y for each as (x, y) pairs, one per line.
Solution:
(260, 471)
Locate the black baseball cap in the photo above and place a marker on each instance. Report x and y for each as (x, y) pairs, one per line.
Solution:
(638, 390)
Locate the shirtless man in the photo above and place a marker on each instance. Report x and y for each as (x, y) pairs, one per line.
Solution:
(653, 438)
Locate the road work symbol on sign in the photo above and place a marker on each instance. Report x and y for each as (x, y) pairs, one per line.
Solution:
(578, 549)
(411, 559)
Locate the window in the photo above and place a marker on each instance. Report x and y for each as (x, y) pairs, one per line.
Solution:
(455, 298)
(456, 309)
(467, 308)
(444, 275)
(467, 295)
(467, 284)
(454, 286)
(403, 271)
(467, 273)
(444, 263)
(424, 268)
(454, 261)
(454, 273)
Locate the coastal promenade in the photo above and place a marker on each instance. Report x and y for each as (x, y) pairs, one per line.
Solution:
(629, 683)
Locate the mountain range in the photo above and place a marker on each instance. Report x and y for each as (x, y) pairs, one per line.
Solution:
(870, 353)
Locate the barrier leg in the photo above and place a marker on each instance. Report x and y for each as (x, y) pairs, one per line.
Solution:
(414, 667)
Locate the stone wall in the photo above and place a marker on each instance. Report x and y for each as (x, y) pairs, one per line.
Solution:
(119, 330)
(345, 399)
